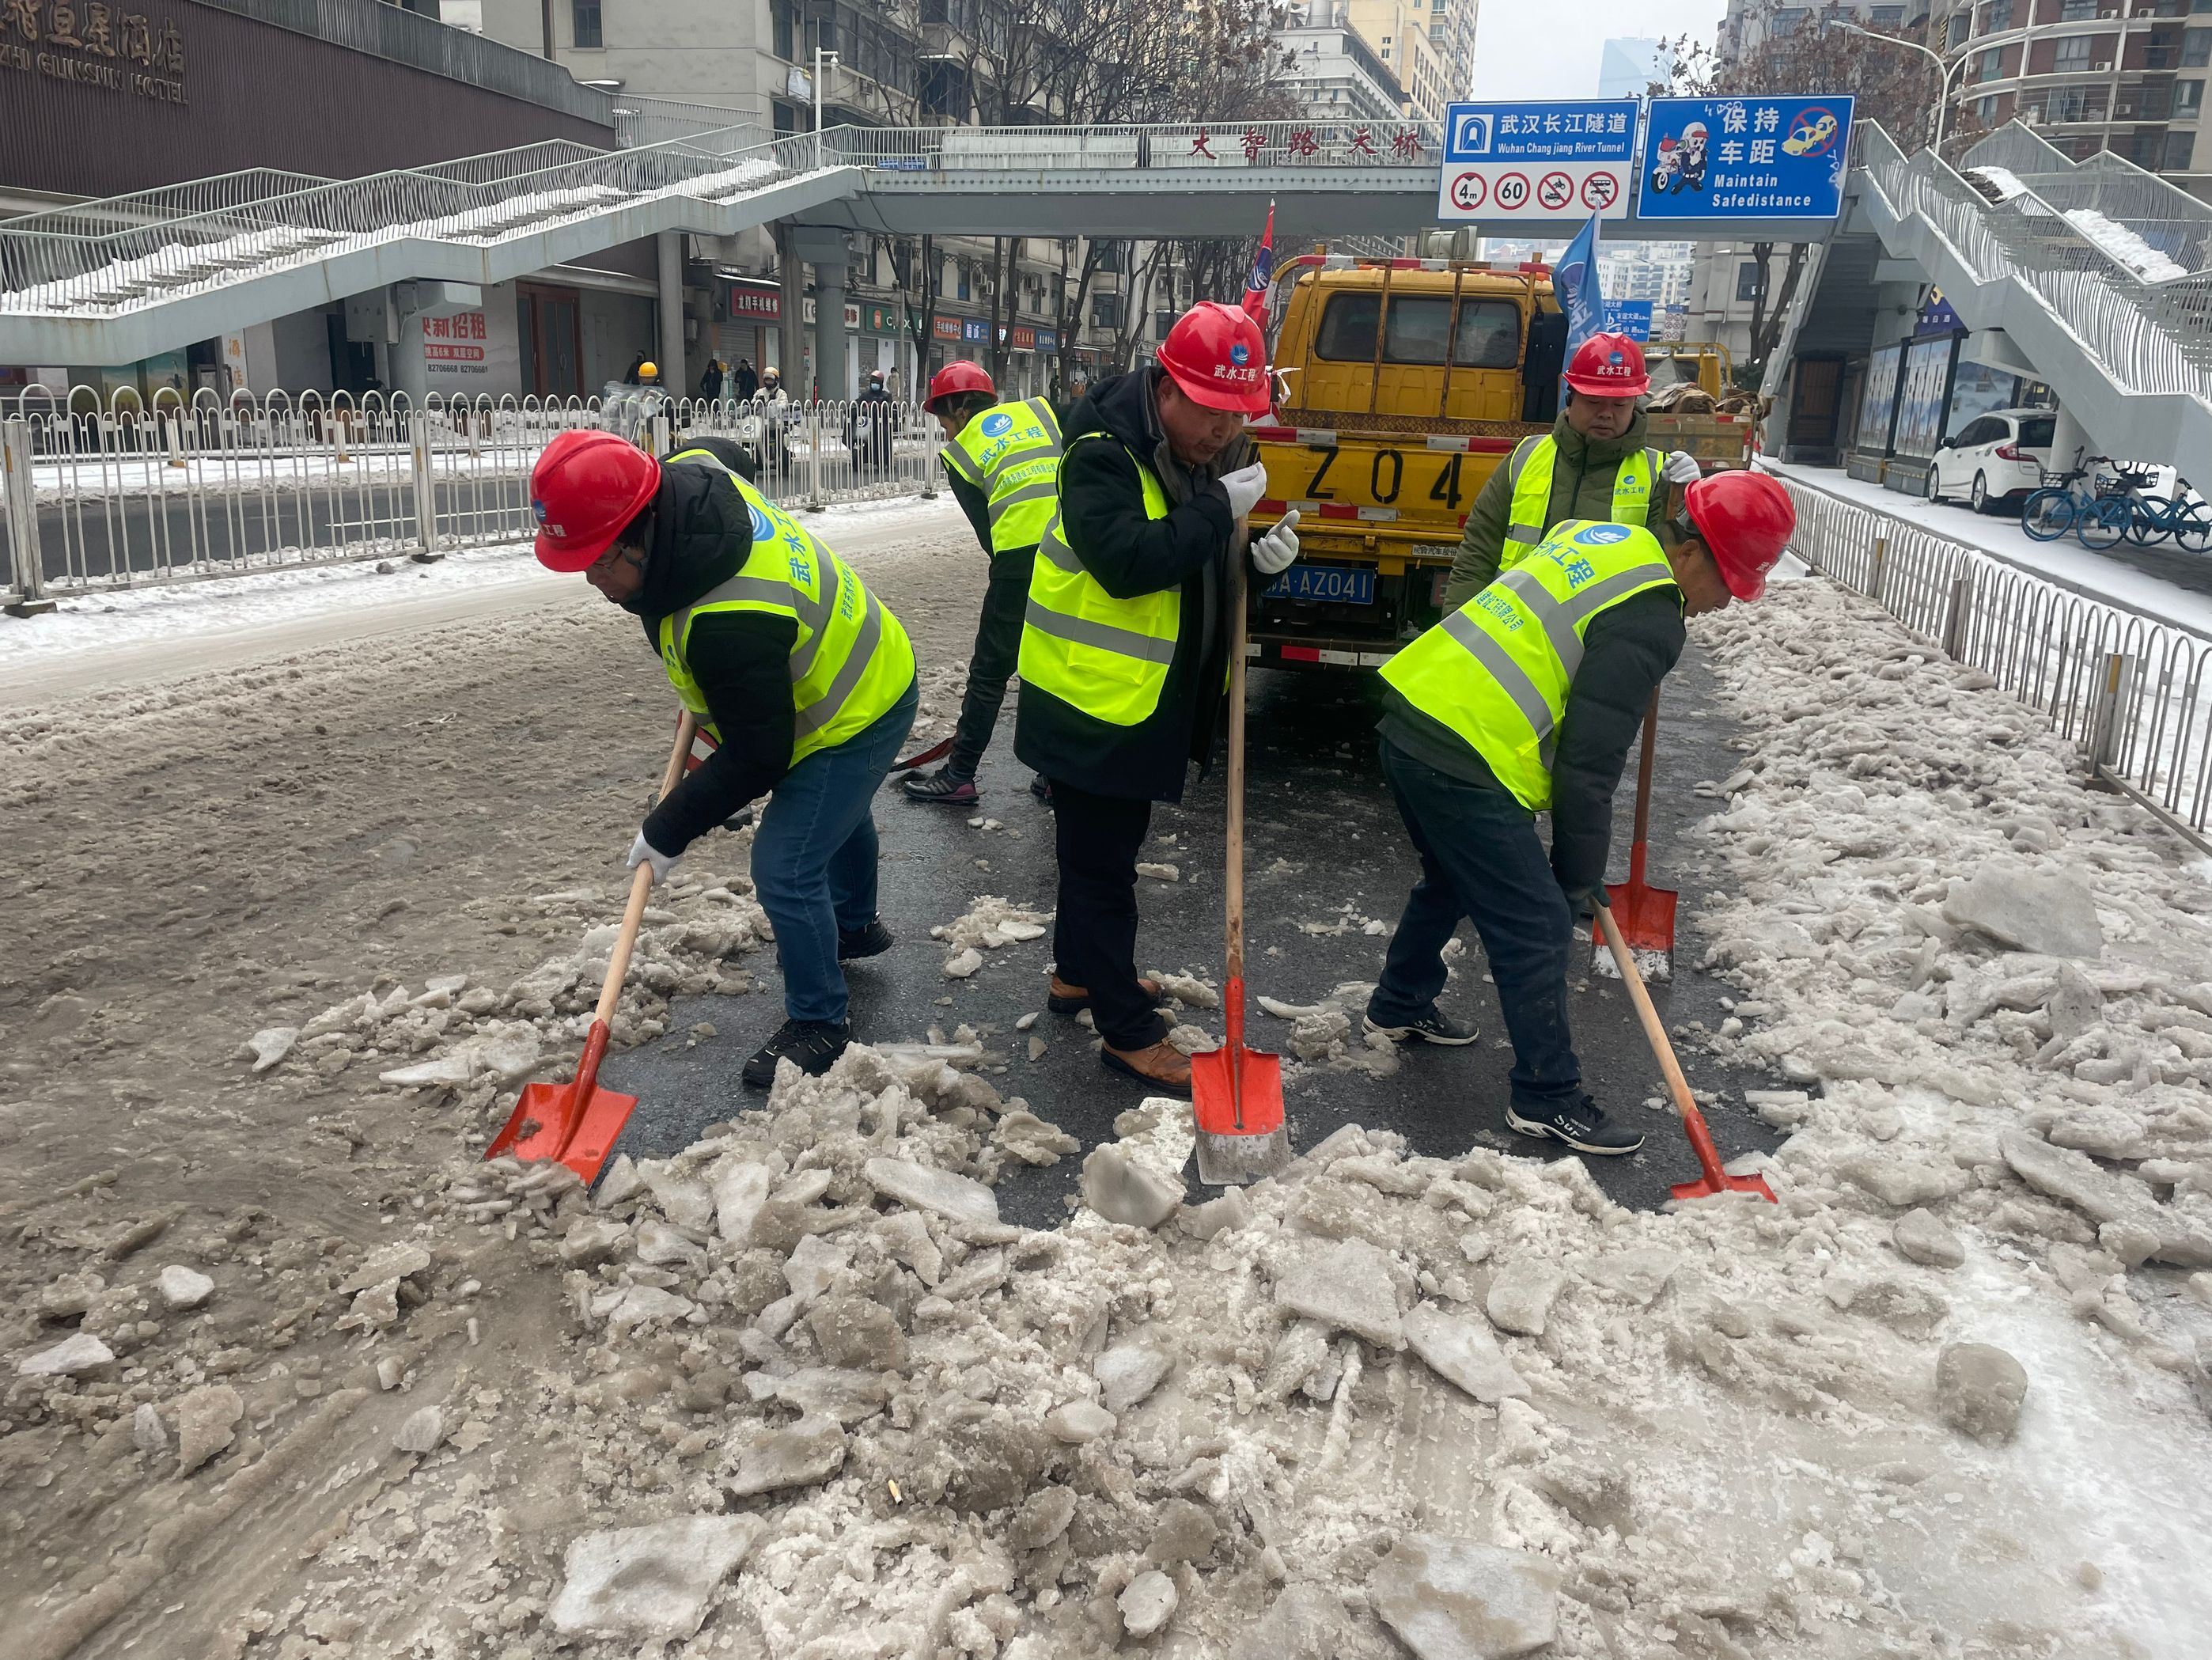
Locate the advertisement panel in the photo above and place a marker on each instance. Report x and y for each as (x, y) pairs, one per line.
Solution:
(1562, 160)
(1718, 159)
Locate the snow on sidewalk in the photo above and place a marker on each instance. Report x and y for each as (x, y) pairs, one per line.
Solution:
(118, 619)
(2064, 562)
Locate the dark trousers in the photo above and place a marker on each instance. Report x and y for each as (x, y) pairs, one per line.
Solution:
(1095, 934)
(1481, 858)
(998, 647)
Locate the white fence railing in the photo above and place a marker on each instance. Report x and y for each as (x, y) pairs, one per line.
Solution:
(2135, 692)
(123, 494)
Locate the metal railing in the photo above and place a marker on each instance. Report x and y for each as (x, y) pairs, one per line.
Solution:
(126, 493)
(2135, 692)
(77, 262)
(643, 121)
(1210, 147)
(2164, 215)
(2149, 337)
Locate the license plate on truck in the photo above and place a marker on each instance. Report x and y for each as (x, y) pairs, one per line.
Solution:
(1341, 585)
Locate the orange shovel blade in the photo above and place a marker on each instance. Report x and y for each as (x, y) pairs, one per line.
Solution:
(1645, 914)
(1215, 1094)
(546, 1124)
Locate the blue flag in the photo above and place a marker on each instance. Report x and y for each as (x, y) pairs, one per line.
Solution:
(1574, 280)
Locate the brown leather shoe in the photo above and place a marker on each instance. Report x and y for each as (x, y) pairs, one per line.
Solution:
(1162, 1065)
(1064, 999)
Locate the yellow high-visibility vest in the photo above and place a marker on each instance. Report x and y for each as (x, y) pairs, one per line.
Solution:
(1011, 452)
(1497, 672)
(1529, 470)
(1107, 657)
(852, 659)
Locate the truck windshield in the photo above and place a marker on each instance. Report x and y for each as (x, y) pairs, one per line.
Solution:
(1488, 336)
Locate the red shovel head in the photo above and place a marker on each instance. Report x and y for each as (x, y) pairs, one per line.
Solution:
(1713, 1179)
(549, 1121)
(1237, 1097)
(1645, 914)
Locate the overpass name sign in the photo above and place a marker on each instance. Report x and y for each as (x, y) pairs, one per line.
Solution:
(1553, 160)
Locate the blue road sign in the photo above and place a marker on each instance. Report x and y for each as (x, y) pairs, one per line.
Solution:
(1744, 158)
(1630, 316)
(1562, 160)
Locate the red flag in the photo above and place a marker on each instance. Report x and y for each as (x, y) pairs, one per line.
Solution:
(1263, 273)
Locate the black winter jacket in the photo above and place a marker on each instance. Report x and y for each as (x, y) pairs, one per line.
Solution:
(1101, 506)
(702, 536)
(1627, 650)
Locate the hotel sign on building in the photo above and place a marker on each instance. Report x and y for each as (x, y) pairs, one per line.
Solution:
(94, 43)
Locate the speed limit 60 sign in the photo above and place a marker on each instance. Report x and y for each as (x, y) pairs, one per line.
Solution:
(1551, 160)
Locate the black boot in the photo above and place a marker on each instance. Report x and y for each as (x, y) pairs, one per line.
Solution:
(812, 1046)
(872, 941)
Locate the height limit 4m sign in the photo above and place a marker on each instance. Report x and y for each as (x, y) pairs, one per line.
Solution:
(1551, 160)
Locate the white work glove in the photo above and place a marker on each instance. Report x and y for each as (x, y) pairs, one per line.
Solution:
(1682, 468)
(1278, 551)
(642, 852)
(1245, 486)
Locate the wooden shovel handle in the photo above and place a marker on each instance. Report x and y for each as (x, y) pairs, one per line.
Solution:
(1654, 1032)
(1643, 770)
(641, 883)
(1237, 555)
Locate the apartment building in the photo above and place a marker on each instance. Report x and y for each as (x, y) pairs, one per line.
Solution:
(2124, 76)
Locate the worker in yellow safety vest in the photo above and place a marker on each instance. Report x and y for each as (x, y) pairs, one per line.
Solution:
(803, 679)
(1593, 464)
(1125, 644)
(1002, 461)
(1524, 701)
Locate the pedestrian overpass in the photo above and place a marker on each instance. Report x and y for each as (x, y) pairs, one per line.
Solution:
(2127, 347)
(122, 279)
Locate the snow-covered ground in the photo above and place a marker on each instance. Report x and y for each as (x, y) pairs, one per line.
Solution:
(2126, 246)
(2064, 562)
(125, 622)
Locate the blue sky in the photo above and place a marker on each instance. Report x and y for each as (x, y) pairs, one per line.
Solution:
(1545, 49)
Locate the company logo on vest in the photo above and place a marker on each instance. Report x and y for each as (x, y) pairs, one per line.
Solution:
(1600, 535)
(998, 425)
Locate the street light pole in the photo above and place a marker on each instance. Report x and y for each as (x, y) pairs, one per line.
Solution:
(1942, 69)
(820, 59)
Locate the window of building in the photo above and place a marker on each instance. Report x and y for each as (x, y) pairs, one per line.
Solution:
(1989, 65)
(584, 16)
(1746, 279)
(1996, 16)
(2195, 48)
(966, 284)
(2072, 56)
(2179, 148)
(2188, 99)
(1885, 17)
(1106, 311)
(1955, 30)
(1985, 109)
(2076, 11)
(782, 33)
(1788, 20)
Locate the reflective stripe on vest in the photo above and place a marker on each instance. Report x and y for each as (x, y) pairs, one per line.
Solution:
(1498, 671)
(851, 660)
(1011, 452)
(1107, 657)
(1529, 471)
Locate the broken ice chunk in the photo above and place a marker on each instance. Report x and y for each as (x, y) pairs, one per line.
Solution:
(1348, 1286)
(1462, 1352)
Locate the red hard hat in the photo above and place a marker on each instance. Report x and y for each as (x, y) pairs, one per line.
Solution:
(585, 488)
(1746, 519)
(1609, 366)
(956, 377)
(1216, 354)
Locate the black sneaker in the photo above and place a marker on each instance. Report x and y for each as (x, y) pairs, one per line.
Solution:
(1041, 788)
(873, 940)
(943, 785)
(813, 1045)
(1430, 1025)
(1579, 1123)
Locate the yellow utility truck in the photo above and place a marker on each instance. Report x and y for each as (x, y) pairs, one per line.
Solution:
(1405, 384)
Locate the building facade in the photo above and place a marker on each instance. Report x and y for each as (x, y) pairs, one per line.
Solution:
(2123, 75)
(1628, 68)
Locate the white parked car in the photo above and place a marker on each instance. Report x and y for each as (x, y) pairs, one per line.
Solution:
(1998, 457)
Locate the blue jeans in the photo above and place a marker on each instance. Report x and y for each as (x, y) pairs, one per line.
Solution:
(1481, 858)
(814, 858)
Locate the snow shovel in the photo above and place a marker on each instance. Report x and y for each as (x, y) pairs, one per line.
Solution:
(1714, 1179)
(1645, 914)
(923, 758)
(1236, 1093)
(578, 1123)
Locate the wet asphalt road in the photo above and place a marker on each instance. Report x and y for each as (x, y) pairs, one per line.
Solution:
(1317, 800)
